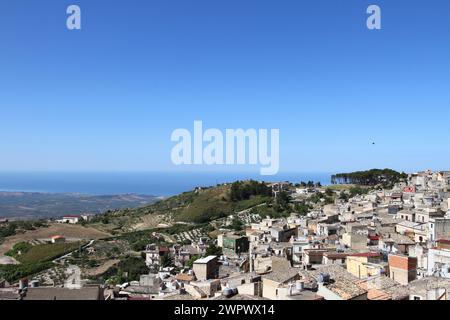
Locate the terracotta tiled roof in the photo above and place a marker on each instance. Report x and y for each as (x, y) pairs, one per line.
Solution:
(185, 277)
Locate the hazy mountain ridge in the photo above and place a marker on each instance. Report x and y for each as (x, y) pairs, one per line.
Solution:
(31, 205)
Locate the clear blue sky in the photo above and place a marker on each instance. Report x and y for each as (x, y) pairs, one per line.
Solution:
(108, 97)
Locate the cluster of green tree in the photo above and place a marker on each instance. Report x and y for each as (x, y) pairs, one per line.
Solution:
(320, 197)
(344, 196)
(207, 228)
(278, 207)
(180, 200)
(236, 225)
(250, 203)
(113, 253)
(104, 218)
(302, 208)
(384, 177)
(167, 261)
(309, 184)
(243, 190)
(190, 262)
(208, 214)
(139, 240)
(282, 202)
(128, 269)
(21, 247)
(7, 230)
(213, 250)
(13, 273)
(83, 260)
(263, 211)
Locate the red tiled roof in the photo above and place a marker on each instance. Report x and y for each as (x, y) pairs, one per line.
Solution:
(366, 254)
(72, 216)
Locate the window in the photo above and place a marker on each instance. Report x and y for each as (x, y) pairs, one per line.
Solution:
(416, 298)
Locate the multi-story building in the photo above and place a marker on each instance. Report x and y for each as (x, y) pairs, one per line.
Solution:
(236, 243)
(402, 268)
(438, 228)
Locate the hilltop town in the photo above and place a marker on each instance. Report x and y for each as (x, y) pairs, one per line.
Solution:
(376, 235)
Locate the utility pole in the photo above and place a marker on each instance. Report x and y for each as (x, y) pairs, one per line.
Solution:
(251, 257)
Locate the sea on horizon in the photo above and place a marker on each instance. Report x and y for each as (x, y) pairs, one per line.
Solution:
(146, 183)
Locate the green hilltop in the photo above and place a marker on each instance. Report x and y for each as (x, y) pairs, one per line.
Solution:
(204, 205)
(198, 206)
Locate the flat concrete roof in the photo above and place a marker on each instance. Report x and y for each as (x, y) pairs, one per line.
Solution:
(205, 260)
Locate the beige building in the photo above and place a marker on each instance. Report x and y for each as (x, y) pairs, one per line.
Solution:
(282, 274)
(206, 268)
(438, 228)
(355, 241)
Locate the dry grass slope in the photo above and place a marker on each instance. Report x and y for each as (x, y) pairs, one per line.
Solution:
(69, 231)
(47, 252)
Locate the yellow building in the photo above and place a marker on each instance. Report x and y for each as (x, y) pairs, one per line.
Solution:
(364, 265)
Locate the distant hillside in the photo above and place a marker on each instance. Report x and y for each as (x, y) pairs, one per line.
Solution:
(198, 206)
(30, 205)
